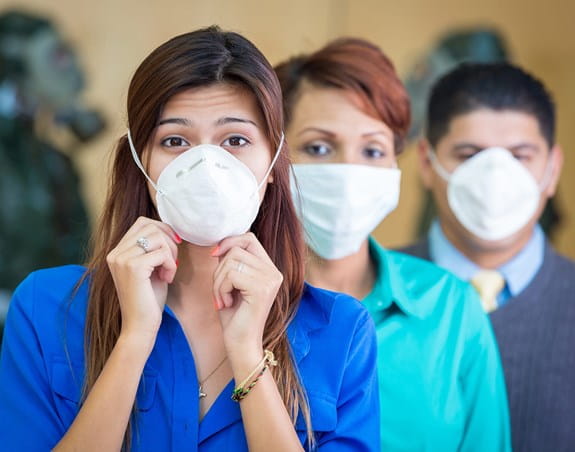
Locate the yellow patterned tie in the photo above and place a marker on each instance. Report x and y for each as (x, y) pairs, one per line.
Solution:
(488, 283)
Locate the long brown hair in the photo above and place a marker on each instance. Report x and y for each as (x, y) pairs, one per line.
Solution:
(195, 59)
(357, 66)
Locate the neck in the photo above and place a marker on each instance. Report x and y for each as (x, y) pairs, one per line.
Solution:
(353, 275)
(193, 285)
(489, 255)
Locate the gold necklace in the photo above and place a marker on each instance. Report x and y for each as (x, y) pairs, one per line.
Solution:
(202, 394)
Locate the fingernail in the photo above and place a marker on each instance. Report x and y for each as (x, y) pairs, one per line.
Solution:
(177, 262)
(215, 250)
(178, 238)
(216, 304)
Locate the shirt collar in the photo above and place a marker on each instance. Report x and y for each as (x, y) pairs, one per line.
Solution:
(522, 268)
(391, 286)
(312, 314)
(517, 272)
(444, 254)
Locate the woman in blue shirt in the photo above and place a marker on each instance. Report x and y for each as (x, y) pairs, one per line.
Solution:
(186, 332)
(440, 378)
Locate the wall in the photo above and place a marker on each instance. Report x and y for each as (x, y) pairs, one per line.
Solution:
(542, 40)
(112, 37)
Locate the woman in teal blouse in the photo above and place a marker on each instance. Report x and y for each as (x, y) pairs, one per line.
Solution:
(440, 379)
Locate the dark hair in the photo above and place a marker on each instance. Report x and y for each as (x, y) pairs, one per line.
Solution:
(15, 28)
(355, 65)
(497, 86)
(200, 58)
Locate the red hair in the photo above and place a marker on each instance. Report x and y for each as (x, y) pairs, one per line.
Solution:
(359, 67)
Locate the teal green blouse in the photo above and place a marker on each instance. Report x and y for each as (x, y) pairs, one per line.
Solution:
(441, 383)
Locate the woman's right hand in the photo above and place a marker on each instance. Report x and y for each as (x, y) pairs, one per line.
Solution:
(142, 277)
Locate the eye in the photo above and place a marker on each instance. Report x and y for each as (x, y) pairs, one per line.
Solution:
(317, 149)
(466, 155)
(174, 142)
(523, 156)
(373, 153)
(235, 141)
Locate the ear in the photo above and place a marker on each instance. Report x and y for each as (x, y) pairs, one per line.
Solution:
(425, 168)
(556, 162)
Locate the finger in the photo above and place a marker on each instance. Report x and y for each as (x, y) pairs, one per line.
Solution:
(231, 270)
(157, 243)
(247, 241)
(161, 260)
(222, 293)
(155, 238)
(228, 265)
(164, 263)
(241, 255)
(143, 222)
(145, 225)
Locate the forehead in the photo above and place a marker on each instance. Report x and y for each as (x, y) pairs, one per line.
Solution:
(213, 100)
(320, 105)
(486, 127)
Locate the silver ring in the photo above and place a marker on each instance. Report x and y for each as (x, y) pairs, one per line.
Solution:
(143, 243)
(240, 267)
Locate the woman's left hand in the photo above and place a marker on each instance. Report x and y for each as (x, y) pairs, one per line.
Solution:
(246, 283)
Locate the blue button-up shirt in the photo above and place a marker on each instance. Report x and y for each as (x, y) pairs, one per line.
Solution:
(518, 272)
(42, 367)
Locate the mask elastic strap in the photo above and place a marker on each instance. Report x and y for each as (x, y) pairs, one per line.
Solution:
(272, 163)
(547, 176)
(139, 163)
(439, 169)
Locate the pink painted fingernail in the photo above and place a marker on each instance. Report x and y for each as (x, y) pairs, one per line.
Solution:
(216, 304)
(178, 238)
(215, 250)
(177, 262)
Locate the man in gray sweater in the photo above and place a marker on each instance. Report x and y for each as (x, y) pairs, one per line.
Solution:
(491, 163)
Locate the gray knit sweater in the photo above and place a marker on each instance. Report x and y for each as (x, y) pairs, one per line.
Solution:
(536, 336)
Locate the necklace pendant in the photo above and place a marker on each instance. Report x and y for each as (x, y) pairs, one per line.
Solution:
(201, 394)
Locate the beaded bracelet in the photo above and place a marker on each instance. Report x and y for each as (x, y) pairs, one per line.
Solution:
(241, 391)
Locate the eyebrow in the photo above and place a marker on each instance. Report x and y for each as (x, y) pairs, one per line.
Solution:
(179, 121)
(231, 119)
(316, 129)
(331, 134)
(220, 122)
(476, 147)
(377, 132)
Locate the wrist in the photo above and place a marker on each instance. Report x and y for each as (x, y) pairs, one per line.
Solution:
(244, 361)
(136, 343)
(244, 387)
(237, 348)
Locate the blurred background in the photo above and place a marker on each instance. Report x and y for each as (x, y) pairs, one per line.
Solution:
(103, 42)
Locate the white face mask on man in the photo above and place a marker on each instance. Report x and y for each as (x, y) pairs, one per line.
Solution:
(206, 194)
(492, 194)
(341, 204)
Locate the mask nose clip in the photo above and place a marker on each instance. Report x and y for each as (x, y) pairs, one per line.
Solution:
(190, 168)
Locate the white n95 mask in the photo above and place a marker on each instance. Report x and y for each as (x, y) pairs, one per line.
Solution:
(492, 194)
(206, 194)
(341, 204)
